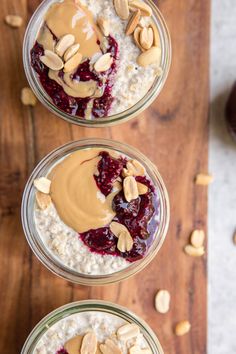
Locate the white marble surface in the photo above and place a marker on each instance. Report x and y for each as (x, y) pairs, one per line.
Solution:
(222, 193)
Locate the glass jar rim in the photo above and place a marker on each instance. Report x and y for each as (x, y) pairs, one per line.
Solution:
(89, 306)
(40, 249)
(115, 119)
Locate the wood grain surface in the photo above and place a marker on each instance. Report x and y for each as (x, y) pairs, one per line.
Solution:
(173, 133)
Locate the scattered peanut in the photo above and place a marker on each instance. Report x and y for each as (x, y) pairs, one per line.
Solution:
(133, 22)
(145, 9)
(52, 60)
(73, 63)
(43, 200)
(42, 184)
(103, 63)
(142, 188)
(89, 344)
(203, 179)
(197, 238)
(14, 21)
(122, 8)
(130, 188)
(128, 331)
(27, 97)
(162, 301)
(194, 252)
(182, 328)
(64, 43)
(151, 56)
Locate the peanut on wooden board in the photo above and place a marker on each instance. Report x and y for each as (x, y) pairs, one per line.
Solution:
(203, 179)
(182, 328)
(14, 21)
(193, 251)
(197, 238)
(162, 301)
(28, 98)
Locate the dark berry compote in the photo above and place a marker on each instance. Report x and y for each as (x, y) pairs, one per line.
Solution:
(139, 216)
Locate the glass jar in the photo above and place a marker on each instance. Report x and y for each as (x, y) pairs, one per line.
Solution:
(86, 306)
(36, 242)
(29, 41)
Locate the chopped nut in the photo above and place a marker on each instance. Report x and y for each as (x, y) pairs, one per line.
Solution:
(73, 63)
(133, 22)
(142, 188)
(43, 185)
(43, 200)
(89, 344)
(73, 345)
(125, 242)
(130, 188)
(162, 301)
(104, 25)
(126, 172)
(64, 43)
(137, 350)
(52, 60)
(103, 63)
(194, 252)
(151, 56)
(110, 347)
(122, 8)
(135, 168)
(156, 37)
(27, 97)
(197, 238)
(146, 38)
(142, 6)
(182, 328)
(70, 52)
(137, 32)
(203, 179)
(14, 21)
(128, 331)
(116, 228)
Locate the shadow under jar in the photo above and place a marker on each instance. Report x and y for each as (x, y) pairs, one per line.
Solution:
(64, 331)
(104, 215)
(96, 79)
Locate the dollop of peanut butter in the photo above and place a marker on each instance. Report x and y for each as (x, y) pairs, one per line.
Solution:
(70, 17)
(75, 194)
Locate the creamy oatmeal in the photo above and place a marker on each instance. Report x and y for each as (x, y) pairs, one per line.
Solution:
(96, 58)
(96, 211)
(93, 333)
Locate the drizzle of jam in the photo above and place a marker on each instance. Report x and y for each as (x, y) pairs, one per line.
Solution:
(136, 215)
(72, 105)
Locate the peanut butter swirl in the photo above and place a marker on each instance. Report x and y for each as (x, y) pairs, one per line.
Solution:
(75, 194)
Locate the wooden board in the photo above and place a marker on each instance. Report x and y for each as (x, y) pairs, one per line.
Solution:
(173, 132)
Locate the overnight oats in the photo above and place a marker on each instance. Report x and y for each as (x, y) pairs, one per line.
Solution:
(92, 327)
(97, 211)
(96, 59)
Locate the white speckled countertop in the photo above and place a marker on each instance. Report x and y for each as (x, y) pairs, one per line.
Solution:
(222, 193)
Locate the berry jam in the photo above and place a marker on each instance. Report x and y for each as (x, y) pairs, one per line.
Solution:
(137, 215)
(62, 351)
(72, 105)
(109, 169)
